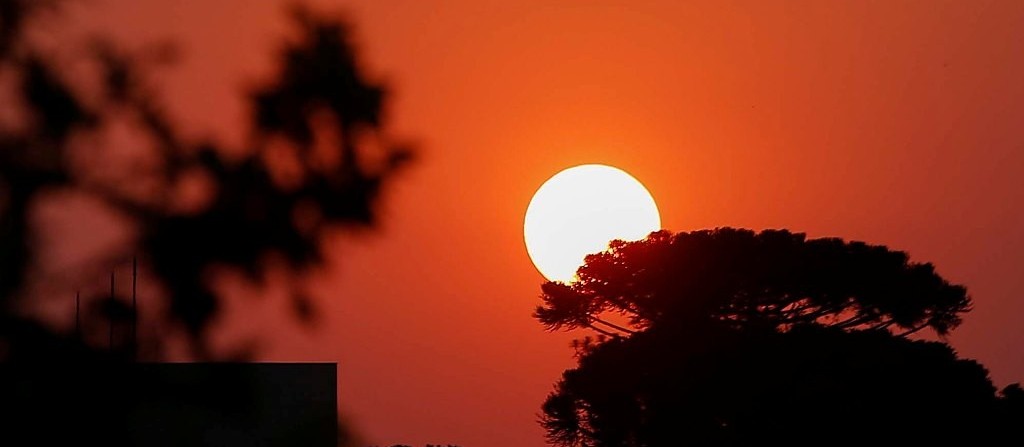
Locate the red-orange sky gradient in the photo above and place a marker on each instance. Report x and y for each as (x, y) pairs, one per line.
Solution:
(899, 123)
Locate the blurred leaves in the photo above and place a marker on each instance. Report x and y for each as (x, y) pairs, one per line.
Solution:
(196, 206)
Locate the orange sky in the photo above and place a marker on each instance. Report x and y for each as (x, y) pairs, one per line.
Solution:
(900, 123)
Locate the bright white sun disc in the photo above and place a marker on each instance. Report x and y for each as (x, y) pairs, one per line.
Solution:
(579, 211)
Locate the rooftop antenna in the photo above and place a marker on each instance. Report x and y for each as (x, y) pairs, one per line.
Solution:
(78, 312)
(111, 333)
(135, 312)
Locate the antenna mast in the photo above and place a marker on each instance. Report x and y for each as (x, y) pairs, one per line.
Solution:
(111, 317)
(135, 307)
(78, 315)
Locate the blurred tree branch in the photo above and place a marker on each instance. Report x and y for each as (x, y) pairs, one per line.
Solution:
(320, 110)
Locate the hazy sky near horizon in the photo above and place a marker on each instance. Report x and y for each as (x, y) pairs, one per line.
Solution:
(897, 123)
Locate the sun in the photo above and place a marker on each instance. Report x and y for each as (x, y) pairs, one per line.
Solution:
(579, 211)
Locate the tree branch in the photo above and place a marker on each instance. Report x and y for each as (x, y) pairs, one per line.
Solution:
(613, 326)
(602, 331)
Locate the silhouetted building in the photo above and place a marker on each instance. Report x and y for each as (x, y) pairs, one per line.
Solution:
(169, 404)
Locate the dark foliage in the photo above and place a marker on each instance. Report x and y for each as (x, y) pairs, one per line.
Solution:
(733, 337)
(771, 279)
(315, 159)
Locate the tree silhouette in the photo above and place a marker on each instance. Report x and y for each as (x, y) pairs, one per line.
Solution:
(315, 158)
(731, 337)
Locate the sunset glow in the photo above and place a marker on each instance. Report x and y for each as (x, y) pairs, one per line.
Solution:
(406, 191)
